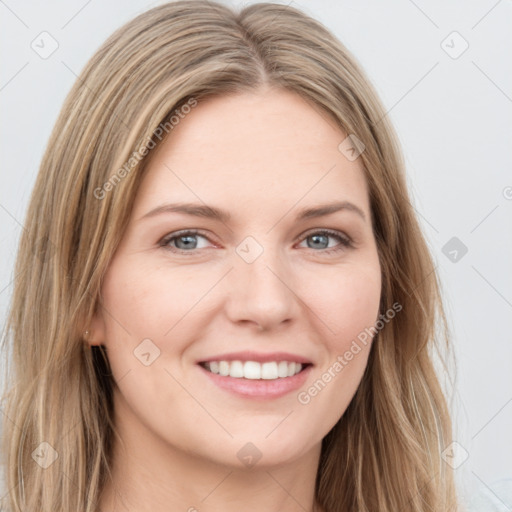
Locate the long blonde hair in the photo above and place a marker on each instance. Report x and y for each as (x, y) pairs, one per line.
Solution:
(385, 452)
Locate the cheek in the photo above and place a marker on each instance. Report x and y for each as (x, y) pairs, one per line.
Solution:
(347, 303)
(148, 302)
(151, 310)
(141, 305)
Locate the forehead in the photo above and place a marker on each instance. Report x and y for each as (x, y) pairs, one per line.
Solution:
(253, 148)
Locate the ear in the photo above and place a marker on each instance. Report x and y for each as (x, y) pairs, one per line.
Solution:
(96, 328)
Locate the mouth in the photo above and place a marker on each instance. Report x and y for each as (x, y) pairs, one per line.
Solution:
(253, 375)
(254, 370)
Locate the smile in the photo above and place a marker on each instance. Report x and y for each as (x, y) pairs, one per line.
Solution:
(257, 375)
(254, 370)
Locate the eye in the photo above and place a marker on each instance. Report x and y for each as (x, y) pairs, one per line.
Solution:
(185, 241)
(188, 241)
(320, 240)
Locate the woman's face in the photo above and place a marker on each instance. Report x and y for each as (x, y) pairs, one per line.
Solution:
(234, 252)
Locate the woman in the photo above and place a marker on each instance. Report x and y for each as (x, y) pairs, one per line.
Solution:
(224, 300)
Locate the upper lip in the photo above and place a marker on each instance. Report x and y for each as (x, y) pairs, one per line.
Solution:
(258, 357)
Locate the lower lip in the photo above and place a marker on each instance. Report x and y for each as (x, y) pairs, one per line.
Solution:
(259, 388)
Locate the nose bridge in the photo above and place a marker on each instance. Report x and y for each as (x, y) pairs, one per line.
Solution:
(259, 290)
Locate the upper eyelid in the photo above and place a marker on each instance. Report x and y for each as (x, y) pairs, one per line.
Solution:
(325, 231)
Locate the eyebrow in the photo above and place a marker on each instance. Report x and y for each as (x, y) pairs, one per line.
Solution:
(210, 212)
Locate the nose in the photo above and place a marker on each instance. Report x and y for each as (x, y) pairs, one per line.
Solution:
(262, 293)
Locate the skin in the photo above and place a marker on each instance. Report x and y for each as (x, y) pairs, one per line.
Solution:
(263, 157)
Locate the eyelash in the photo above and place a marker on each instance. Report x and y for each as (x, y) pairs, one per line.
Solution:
(345, 242)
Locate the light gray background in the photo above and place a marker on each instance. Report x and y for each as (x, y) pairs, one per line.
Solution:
(453, 115)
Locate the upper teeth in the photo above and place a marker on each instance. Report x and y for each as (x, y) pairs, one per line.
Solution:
(253, 369)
